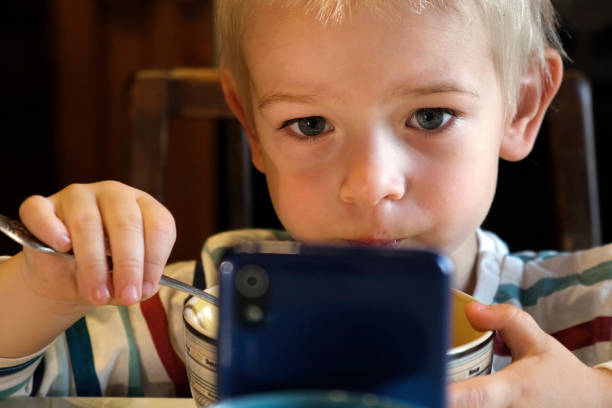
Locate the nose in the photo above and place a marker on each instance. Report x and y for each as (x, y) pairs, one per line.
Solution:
(376, 170)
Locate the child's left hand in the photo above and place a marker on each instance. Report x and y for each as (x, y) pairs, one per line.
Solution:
(543, 372)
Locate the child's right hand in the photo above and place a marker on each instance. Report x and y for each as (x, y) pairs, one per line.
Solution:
(543, 372)
(140, 231)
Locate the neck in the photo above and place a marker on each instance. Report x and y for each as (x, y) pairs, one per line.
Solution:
(464, 259)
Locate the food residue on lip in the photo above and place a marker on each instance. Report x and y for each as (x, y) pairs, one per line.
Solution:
(391, 243)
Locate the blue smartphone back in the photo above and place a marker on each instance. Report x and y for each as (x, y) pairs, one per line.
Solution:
(350, 318)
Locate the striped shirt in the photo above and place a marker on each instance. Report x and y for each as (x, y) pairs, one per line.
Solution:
(568, 294)
(123, 351)
(139, 350)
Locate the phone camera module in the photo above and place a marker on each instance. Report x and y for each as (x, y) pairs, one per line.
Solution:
(252, 281)
(253, 314)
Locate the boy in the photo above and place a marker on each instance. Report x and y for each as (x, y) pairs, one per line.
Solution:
(374, 122)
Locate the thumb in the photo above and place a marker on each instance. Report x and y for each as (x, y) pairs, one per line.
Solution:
(518, 329)
(490, 391)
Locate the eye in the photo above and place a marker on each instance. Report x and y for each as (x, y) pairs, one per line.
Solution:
(311, 126)
(431, 118)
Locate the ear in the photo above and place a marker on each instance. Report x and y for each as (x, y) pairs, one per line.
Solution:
(237, 106)
(536, 94)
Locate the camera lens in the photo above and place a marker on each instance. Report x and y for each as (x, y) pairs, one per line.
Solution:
(252, 281)
(253, 314)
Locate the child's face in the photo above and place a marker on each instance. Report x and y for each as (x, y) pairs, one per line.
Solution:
(378, 129)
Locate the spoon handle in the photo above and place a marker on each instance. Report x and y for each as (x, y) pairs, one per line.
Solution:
(177, 284)
(20, 234)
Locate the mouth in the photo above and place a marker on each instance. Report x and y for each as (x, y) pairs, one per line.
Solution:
(405, 243)
(378, 243)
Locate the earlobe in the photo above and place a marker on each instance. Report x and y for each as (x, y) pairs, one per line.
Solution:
(536, 94)
(237, 106)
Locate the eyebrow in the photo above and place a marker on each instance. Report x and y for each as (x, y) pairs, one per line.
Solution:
(432, 89)
(276, 97)
(400, 90)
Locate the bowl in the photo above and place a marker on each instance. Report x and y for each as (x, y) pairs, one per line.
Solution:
(471, 351)
(470, 354)
(201, 323)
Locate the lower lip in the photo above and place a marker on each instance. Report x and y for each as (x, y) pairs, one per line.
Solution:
(393, 243)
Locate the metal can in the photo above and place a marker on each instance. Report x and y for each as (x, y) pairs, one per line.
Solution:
(201, 323)
(471, 353)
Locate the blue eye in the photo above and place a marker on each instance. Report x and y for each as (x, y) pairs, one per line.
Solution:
(311, 126)
(431, 118)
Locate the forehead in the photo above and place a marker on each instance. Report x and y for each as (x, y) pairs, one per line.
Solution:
(285, 48)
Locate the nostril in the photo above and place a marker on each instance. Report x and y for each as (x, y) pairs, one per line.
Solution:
(371, 191)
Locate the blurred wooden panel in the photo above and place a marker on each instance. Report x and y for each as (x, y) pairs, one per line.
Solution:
(78, 107)
(191, 197)
(97, 45)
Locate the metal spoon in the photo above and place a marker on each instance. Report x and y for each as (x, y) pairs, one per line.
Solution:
(20, 234)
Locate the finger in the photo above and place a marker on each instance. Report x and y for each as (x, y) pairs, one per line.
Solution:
(518, 329)
(160, 234)
(79, 210)
(38, 215)
(123, 224)
(491, 391)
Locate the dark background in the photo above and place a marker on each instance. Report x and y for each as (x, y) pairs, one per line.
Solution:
(64, 69)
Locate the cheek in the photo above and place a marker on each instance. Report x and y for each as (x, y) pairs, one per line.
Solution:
(454, 186)
(464, 192)
(471, 189)
(300, 197)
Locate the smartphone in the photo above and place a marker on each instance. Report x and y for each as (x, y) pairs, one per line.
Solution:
(307, 317)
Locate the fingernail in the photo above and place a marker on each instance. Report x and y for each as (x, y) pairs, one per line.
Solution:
(63, 241)
(101, 294)
(129, 294)
(148, 289)
(479, 306)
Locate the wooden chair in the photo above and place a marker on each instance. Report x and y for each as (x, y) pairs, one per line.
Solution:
(157, 99)
(550, 199)
(157, 96)
(571, 137)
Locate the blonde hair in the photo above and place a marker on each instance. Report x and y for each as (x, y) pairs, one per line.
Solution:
(519, 31)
